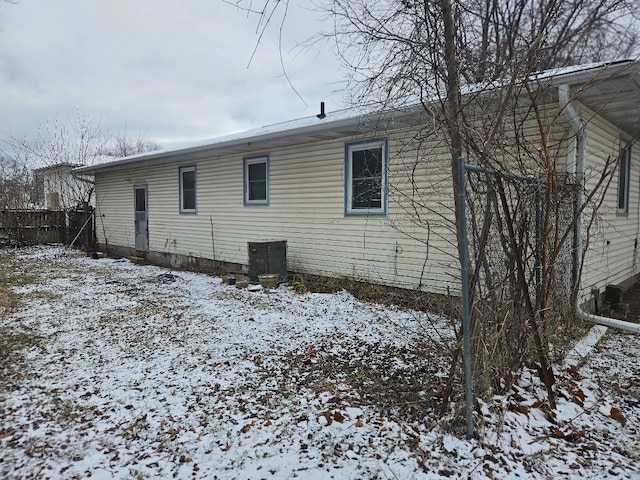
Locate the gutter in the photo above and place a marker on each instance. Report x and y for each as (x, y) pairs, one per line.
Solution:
(578, 168)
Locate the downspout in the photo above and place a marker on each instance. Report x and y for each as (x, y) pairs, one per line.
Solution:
(578, 168)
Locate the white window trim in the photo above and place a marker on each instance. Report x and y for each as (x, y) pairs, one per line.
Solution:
(625, 149)
(348, 183)
(253, 161)
(181, 171)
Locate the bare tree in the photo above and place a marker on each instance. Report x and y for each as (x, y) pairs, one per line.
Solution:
(499, 32)
(472, 67)
(59, 147)
(19, 188)
(123, 146)
(396, 49)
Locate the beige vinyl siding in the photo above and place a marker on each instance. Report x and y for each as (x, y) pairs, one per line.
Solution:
(114, 210)
(306, 209)
(612, 256)
(413, 246)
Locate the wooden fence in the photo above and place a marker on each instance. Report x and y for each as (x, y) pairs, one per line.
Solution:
(47, 226)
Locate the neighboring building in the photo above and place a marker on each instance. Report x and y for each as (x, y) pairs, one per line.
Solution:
(63, 188)
(367, 197)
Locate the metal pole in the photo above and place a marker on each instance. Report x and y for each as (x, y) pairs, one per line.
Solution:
(538, 257)
(82, 229)
(500, 173)
(464, 273)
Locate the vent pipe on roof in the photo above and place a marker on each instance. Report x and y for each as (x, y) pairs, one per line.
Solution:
(321, 115)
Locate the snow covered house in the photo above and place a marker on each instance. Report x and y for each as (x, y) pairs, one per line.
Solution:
(368, 196)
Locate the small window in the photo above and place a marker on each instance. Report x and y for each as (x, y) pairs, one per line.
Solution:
(366, 178)
(256, 181)
(140, 199)
(187, 189)
(624, 172)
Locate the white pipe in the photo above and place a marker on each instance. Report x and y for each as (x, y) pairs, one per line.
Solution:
(609, 322)
(568, 110)
(575, 122)
(572, 116)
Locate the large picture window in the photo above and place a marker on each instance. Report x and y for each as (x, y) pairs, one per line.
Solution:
(366, 177)
(256, 180)
(624, 171)
(187, 189)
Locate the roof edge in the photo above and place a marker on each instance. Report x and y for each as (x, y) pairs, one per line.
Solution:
(275, 131)
(353, 116)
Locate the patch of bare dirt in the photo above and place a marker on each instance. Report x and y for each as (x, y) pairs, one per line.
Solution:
(383, 294)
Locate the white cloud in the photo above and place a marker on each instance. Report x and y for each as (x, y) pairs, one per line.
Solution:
(164, 69)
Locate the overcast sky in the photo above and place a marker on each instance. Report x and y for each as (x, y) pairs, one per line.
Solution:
(166, 70)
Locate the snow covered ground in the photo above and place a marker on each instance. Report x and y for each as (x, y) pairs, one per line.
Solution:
(127, 374)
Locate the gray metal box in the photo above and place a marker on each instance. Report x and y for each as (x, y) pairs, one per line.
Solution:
(267, 257)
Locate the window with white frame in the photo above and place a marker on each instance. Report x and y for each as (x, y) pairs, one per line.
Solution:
(187, 189)
(256, 180)
(624, 172)
(366, 177)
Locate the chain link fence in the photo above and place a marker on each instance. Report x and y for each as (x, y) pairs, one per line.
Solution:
(521, 260)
